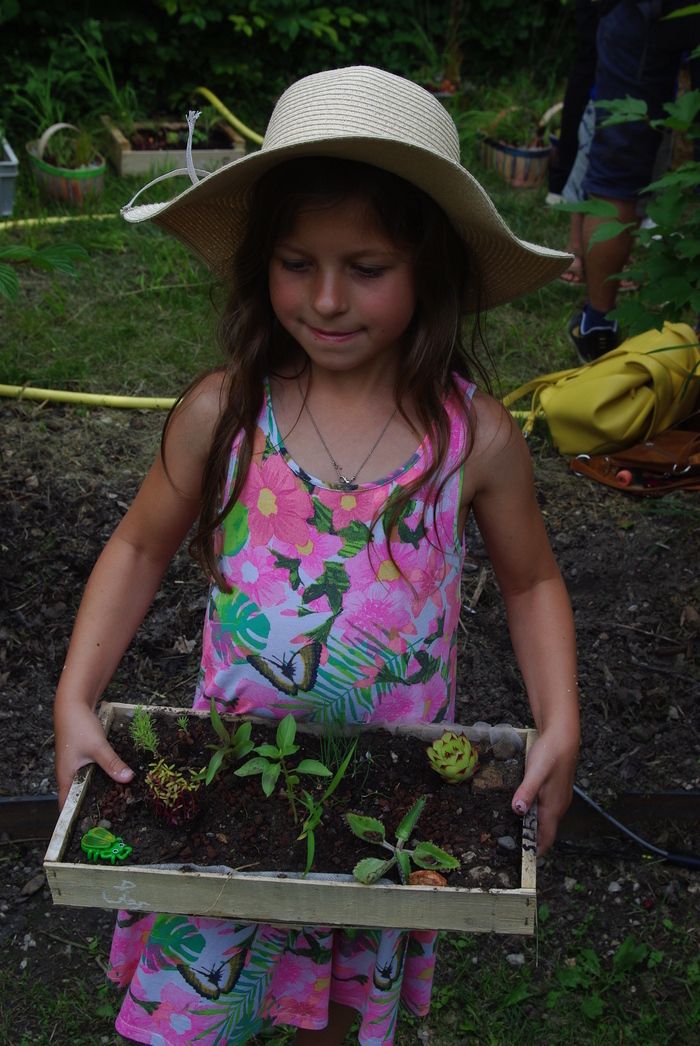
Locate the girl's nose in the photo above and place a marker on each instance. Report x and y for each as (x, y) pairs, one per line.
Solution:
(329, 293)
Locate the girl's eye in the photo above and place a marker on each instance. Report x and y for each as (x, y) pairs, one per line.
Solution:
(293, 264)
(370, 272)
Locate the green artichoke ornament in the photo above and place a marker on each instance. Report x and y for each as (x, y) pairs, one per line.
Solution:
(453, 757)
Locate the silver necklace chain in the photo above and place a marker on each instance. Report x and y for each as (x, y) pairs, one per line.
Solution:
(346, 481)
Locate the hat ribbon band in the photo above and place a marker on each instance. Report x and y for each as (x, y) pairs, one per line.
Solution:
(194, 174)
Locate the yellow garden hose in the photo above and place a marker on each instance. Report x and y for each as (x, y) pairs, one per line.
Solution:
(237, 124)
(97, 399)
(91, 399)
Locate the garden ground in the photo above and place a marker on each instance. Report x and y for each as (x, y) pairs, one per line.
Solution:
(616, 953)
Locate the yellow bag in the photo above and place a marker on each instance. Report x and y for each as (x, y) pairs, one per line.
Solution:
(645, 385)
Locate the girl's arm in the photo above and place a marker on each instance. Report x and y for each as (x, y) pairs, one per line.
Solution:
(124, 581)
(538, 609)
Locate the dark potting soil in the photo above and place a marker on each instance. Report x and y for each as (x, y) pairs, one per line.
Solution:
(237, 826)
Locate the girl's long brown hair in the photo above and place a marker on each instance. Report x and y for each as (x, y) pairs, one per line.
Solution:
(255, 345)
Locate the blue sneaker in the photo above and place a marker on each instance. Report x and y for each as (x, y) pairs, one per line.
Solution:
(595, 342)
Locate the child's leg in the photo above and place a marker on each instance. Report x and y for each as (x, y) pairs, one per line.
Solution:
(340, 1019)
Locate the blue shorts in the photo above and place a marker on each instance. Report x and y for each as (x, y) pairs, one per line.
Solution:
(640, 57)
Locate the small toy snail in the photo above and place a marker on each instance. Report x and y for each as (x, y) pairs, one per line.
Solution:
(102, 845)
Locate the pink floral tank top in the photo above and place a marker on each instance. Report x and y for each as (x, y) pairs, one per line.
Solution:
(319, 621)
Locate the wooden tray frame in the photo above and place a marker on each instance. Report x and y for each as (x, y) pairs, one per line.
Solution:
(288, 899)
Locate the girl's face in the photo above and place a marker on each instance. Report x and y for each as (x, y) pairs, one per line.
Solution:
(341, 289)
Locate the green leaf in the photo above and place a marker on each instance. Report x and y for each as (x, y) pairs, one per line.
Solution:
(17, 253)
(367, 828)
(322, 519)
(629, 954)
(313, 766)
(286, 732)
(269, 751)
(608, 231)
(291, 565)
(371, 869)
(214, 766)
(339, 774)
(253, 766)
(409, 822)
(217, 722)
(9, 283)
(240, 617)
(622, 110)
(60, 257)
(310, 850)
(592, 1007)
(404, 864)
(427, 855)
(269, 778)
(235, 529)
(355, 538)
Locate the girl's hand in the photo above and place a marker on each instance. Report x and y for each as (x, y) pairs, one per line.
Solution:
(549, 778)
(80, 739)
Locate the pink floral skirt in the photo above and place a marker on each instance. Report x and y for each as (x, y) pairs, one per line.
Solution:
(216, 981)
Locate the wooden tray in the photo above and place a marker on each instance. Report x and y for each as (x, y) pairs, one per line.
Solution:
(288, 898)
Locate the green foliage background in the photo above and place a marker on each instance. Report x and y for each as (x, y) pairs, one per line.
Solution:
(247, 51)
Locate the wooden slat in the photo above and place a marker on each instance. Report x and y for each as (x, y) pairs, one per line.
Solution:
(528, 869)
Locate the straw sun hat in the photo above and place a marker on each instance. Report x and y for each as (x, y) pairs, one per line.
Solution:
(365, 114)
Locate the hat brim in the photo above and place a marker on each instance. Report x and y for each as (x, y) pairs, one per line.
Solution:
(210, 217)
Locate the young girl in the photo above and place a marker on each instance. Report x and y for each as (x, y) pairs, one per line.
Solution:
(330, 467)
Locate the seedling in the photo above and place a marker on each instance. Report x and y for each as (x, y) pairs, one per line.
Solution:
(172, 793)
(232, 746)
(271, 761)
(183, 724)
(425, 855)
(143, 731)
(453, 757)
(314, 808)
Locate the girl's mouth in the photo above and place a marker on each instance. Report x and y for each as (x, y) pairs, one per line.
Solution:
(337, 337)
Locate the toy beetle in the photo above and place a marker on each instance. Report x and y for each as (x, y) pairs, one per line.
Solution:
(100, 844)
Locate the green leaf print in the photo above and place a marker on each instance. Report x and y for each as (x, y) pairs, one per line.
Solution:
(241, 617)
(177, 938)
(239, 1018)
(322, 519)
(235, 529)
(332, 583)
(355, 537)
(408, 536)
(292, 565)
(428, 667)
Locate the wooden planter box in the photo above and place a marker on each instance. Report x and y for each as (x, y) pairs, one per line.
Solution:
(146, 162)
(288, 898)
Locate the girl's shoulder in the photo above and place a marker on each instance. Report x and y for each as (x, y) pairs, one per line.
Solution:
(195, 416)
(498, 443)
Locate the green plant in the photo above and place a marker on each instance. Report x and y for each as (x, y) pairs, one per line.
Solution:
(453, 757)
(271, 761)
(173, 793)
(232, 746)
(60, 257)
(315, 807)
(72, 148)
(183, 723)
(667, 268)
(40, 97)
(143, 731)
(424, 855)
(123, 100)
